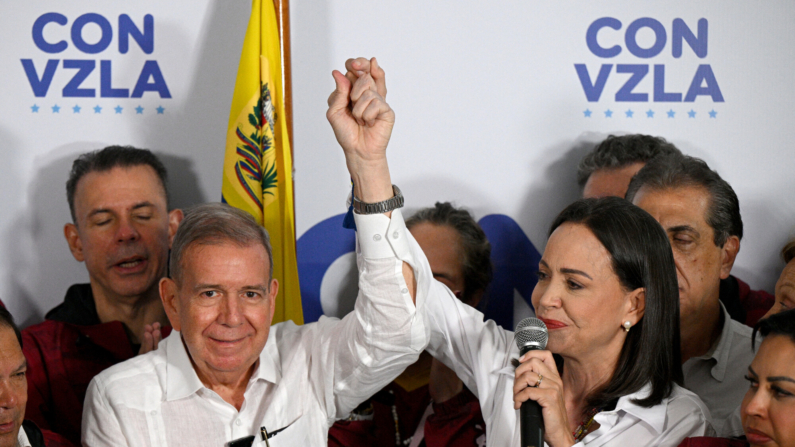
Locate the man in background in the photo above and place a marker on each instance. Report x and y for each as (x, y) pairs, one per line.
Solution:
(122, 229)
(15, 431)
(428, 401)
(701, 215)
(608, 168)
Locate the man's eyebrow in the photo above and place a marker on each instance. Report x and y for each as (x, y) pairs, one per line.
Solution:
(143, 205)
(682, 228)
(96, 211)
(441, 275)
(23, 365)
(206, 286)
(137, 206)
(258, 287)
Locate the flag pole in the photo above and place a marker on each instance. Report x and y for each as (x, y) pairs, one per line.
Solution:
(283, 19)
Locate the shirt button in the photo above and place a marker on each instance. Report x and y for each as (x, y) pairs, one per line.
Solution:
(237, 422)
(404, 290)
(154, 413)
(395, 235)
(377, 237)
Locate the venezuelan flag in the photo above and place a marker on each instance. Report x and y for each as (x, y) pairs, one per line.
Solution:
(258, 165)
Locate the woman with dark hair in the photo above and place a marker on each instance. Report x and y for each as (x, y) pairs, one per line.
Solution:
(785, 286)
(768, 409)
(607, 290)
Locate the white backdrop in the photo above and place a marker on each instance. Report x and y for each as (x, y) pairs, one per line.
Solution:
(491, 113)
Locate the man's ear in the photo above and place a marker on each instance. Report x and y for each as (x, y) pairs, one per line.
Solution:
(174, 218)
(637, 306)
(169, 297)
(272, 292)
(728, 254)
(73, 239)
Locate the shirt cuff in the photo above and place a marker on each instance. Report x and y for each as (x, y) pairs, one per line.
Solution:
(380, 237)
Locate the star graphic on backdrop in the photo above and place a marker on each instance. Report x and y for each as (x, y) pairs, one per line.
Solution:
(608, 113)
(34, 108)
(160, 110)
(118, 109)
(76, 109)
(97, 109)
(139, 110)
(650, 113)
(587, 113)
(691, 113)
(56, 109)
(629, 113)
(671, 113)
(713, 113)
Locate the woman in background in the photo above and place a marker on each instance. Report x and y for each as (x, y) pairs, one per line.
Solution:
(768, 409)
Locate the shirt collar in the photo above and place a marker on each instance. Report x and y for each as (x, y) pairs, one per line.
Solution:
(22, 438)
(182, 380)
(653, 416)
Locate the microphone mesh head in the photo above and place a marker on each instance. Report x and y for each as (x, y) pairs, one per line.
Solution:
(531, 332)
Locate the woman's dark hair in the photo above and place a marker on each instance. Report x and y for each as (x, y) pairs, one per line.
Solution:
(641, 258)
(782, 323)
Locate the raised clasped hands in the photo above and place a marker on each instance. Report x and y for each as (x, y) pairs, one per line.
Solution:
(362, 122)
(548, 393)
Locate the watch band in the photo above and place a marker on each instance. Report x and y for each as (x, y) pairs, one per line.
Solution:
(379, 207)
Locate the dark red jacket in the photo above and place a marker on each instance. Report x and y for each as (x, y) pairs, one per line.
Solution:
(713, 442)
(743, 304)
(64, 353)
(456, 422)
(43, 438)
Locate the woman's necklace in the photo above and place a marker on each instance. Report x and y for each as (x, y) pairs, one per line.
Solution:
(586, 423)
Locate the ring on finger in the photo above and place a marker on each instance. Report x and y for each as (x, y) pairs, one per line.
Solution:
(540, 378)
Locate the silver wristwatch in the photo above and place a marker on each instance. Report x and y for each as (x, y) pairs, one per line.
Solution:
(379, 207)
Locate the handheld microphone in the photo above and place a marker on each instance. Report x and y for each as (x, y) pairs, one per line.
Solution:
(531, 334)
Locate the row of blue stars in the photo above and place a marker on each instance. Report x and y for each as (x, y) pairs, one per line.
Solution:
(97, 109)
(649, 113)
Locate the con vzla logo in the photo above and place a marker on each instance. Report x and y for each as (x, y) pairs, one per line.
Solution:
(40, 78)
(682, 37)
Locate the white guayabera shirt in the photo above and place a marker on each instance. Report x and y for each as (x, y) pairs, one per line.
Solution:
(307, 376)
(480, 353)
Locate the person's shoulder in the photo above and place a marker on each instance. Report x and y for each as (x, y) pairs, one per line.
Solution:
(741, 342)
(684, 401)
(135, 372)
(740, 329)
(46, 337)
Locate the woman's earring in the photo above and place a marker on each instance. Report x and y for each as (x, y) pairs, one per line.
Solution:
(627, 325)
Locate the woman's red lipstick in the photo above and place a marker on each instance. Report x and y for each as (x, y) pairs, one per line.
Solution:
(552, 324)
(756, 437)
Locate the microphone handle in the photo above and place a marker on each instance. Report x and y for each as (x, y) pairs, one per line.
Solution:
(532, 424)
(531, 421)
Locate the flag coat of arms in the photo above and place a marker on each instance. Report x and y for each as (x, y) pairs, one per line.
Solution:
(257, 163)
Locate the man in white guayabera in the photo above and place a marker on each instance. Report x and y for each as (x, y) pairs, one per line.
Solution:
(225, 376)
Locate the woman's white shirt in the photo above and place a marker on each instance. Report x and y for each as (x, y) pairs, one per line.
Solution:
(480, 353)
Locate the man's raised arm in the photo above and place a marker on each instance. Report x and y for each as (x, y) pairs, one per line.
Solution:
(363, 122)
